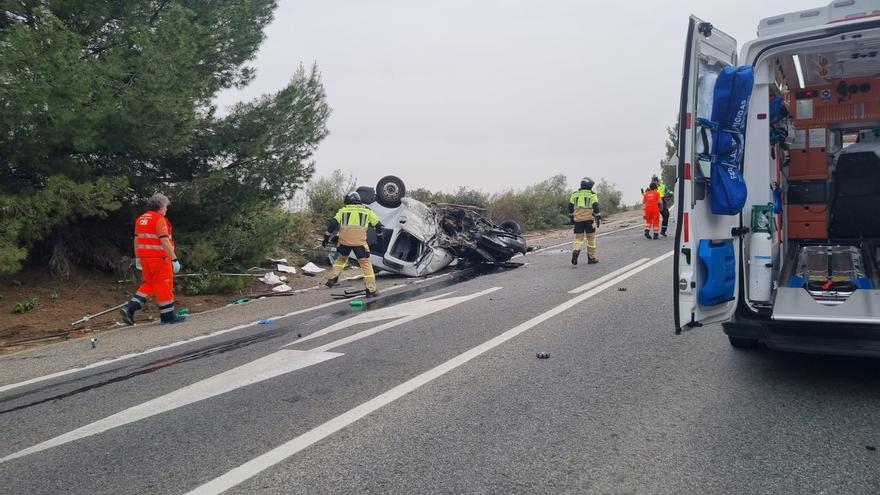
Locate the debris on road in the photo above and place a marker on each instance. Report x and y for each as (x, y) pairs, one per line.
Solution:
(543, 355)
(88, 317)
(271, 279)
(312, 269)
(94, 341)
(286, 268)
(282, 288)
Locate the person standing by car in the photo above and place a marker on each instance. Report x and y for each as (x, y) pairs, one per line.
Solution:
(352, 221)
(651, 199)
(583, 212)
(154, 256)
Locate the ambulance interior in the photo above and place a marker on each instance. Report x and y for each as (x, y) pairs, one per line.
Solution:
(825, 156)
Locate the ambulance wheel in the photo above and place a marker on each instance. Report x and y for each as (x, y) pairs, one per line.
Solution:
(742, 343)
(389, 191)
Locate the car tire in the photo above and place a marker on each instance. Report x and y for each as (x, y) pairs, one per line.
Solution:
(511, 226)
(390, 190)
(742, 342)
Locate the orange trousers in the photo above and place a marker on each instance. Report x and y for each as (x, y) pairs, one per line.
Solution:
(652, 218)
(158, 280)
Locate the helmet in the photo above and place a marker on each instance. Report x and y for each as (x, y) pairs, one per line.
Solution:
(653, 185)
(654, 178)
(587, 183)
(353, 198)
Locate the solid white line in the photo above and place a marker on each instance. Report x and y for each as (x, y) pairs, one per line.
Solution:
(597, 235)
(607, 277)
(276, 364)
(255, 466)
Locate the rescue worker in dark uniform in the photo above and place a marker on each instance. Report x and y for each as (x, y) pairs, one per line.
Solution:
(583, 212)
(352, 221)
(154, 256)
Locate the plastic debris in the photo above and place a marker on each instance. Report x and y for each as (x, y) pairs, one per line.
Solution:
(279, 260)
(621, 289)
(286, 268)
(265, 322)
(270, 279)
(356, 304)
(282, 288)
(241, 300)
(543, 355)
(94, 341)
(311, 268)
(183, 312)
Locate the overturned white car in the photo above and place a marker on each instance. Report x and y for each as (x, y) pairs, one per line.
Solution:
(421, 239)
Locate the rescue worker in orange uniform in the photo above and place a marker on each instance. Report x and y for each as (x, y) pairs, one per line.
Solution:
(353, 220)
(651, 199)
(154, 256)
(583, 212)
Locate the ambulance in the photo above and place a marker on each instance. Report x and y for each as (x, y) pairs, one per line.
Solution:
(796, 268)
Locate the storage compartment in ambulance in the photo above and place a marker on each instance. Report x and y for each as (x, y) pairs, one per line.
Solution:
(804, 248)
(812, 250)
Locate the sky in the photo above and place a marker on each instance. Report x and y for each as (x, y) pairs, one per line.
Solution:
(493, 94)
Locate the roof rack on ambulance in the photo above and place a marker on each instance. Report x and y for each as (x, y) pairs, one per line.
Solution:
(835, 12)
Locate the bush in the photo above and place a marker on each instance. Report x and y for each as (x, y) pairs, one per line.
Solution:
(324, 195)
(303, 229)
(610, 198)
(539, 206)
(26, 306)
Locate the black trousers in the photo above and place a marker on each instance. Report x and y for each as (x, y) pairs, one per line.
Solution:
(664, 213)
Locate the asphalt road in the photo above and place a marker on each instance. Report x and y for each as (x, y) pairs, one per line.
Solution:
(437, 388)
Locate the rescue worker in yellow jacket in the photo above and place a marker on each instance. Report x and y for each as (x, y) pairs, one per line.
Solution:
(353, 220)
(583, 212)
(664, 207)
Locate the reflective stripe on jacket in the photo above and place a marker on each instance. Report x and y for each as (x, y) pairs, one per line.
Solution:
(148, 244)
(583, 201)
(353, 223)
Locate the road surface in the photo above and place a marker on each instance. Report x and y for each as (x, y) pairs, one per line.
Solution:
(437, 388)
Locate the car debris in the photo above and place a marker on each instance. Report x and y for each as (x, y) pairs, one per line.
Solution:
(421, 239)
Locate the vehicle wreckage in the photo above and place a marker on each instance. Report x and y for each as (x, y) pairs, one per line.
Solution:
(420, 239)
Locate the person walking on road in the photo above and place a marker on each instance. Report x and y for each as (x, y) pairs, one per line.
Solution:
(353, 220)
(583, 212)
(155, 257)
(664, 208)
(651, 200)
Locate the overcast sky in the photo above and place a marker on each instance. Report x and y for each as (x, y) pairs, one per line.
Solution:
(494, 94)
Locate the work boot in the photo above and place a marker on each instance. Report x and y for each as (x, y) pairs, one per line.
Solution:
(372, 293)
(592, 260)
(574, 256)
(647, 234)
(656, 236)
(177, 319)
(663, 233)
(332, 281)
(127, 316)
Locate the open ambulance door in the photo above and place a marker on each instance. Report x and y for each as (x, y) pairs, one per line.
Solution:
(707, 245)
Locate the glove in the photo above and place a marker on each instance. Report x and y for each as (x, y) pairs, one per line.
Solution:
(175, 265)
(137, 264)
(598, 221)
(571, 219)
(325, 240)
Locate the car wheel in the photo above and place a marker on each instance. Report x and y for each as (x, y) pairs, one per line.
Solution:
(389, 191)
(511, 226)
(742, 342)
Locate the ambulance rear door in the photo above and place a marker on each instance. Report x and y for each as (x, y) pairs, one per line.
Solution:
(707, 245)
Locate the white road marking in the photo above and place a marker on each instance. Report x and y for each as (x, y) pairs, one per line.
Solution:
(267, 367)
(275, 364)
(607, 277)
(412, 310)
(259, 464)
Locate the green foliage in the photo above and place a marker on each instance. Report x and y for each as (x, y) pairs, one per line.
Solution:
(462, 196)
(324, 195)
(669, 165)
(610, 198)
(539, 206)
(302, 230)
(26, 306)
(214, 284)
(104, 103)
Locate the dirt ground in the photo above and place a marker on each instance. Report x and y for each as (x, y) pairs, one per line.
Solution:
(60, 303)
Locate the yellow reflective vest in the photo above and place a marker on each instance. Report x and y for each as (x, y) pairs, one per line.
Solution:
(353, 223)
(583, 201)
